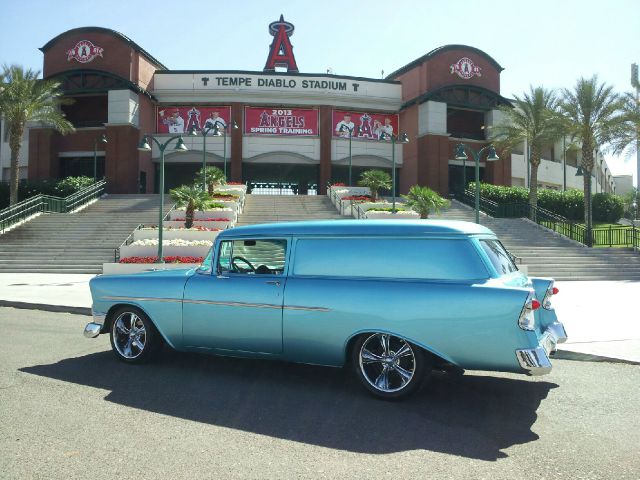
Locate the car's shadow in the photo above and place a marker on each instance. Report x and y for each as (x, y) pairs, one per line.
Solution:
(471, 416)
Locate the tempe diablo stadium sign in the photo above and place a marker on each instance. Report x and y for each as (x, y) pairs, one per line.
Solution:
(281, 121)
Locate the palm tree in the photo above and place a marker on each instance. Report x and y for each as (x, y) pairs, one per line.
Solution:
(27, 99)
(212, 177)
(626, 140)
(376, 180)
(535, 119)
(191, 197)
(423, 200)
(594, 118)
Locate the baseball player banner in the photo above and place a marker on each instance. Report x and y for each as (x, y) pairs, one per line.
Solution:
(176, 120)
(364, 125)
(281, 121)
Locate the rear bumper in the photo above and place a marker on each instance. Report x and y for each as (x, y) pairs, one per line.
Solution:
(535, 361)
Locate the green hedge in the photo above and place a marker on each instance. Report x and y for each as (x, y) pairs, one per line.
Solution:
(56, 188)
(607, 208)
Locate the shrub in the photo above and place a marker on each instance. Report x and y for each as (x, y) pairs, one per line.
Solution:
(70, 185)
(424, 200)
(607, 208)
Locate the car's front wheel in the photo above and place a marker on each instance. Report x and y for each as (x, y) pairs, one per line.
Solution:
(134, 339)
(389, 366)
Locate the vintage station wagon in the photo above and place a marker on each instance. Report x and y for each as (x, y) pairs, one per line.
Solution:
(392, 300)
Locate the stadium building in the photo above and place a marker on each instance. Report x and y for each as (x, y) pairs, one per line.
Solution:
(276, 125)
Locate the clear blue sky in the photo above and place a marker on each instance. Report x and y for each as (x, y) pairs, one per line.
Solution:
(549, 43)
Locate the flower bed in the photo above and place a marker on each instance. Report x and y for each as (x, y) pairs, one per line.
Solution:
(211, 223)
(389, 215)
(147, 247)
(218, 213)
(171, 233)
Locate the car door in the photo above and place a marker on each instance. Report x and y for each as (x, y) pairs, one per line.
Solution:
(237, 306)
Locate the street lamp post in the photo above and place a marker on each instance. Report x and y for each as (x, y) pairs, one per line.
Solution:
(145, 147)
(101, 139)
(402, 138)
(492, 156)
(344, 128)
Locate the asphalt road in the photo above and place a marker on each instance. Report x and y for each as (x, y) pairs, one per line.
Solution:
(69, 409)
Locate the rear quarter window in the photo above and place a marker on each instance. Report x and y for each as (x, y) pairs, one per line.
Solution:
(499, 257)
(429, 259)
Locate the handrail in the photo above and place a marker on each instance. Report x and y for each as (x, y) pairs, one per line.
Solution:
(40, 203)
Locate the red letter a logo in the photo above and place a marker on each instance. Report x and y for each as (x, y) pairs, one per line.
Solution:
(281, 51)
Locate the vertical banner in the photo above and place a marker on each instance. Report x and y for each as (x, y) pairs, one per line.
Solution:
(372, 125)
(180, 119)
(298, 122)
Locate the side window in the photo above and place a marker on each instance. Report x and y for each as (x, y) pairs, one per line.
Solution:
(253, 257)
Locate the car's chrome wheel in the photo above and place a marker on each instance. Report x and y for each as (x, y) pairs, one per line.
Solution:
(388, 366)
(133, 336)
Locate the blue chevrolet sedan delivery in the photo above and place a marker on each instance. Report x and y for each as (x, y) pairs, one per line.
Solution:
(392, 300)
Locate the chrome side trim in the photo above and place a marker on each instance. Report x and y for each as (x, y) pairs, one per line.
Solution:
(227, 304)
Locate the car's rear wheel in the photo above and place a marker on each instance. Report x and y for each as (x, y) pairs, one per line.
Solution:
(134, 339)
(388, 366)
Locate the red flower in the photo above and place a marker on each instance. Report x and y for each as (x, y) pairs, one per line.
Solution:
(339, 184)
(202, 220)
(360, 198)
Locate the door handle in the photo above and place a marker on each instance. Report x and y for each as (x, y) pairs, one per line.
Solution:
(273, 282)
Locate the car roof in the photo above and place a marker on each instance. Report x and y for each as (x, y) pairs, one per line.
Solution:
(360, 227)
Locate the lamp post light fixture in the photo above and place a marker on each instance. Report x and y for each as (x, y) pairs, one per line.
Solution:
(388, 137)
(101, 139)
(344, 128)
(146, 147)
(492, 156)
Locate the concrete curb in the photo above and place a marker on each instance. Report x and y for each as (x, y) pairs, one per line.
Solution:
(46, 308)
(587, 357)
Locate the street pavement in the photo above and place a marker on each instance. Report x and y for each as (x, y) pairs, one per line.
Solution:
(601, 318)
(70, 410)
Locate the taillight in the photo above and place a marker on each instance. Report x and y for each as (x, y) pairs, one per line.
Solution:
(527, 319)
(551, 291)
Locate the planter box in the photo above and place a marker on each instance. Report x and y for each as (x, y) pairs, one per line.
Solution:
(227, 213)
(172, 234)
(127, 251)
(406, 215)
(128, 268)
(346, 192)
(221, 225)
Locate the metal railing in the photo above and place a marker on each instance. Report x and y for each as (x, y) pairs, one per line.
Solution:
(26, 209)
(130, 239)
(611, 236)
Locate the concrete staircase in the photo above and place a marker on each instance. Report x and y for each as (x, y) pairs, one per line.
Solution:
(550, 255)
(287, 208)
(77, 242)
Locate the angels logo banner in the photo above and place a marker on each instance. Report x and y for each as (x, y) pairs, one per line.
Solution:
(364, 125)
(180, 119)
(281, 121)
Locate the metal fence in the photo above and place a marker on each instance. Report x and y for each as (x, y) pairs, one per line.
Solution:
(280, 188)
(26, 209)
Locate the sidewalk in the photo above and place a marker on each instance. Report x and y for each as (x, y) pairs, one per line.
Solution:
(601, 318)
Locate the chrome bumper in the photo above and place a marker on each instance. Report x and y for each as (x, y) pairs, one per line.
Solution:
(93, 329)
(536, 360)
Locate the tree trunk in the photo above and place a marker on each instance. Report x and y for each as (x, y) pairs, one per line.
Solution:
(15, 143)
(587, 167)
(533, 183)
(210, 187)
(188, 221)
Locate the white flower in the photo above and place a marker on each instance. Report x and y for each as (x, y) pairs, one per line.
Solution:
(176, 242)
